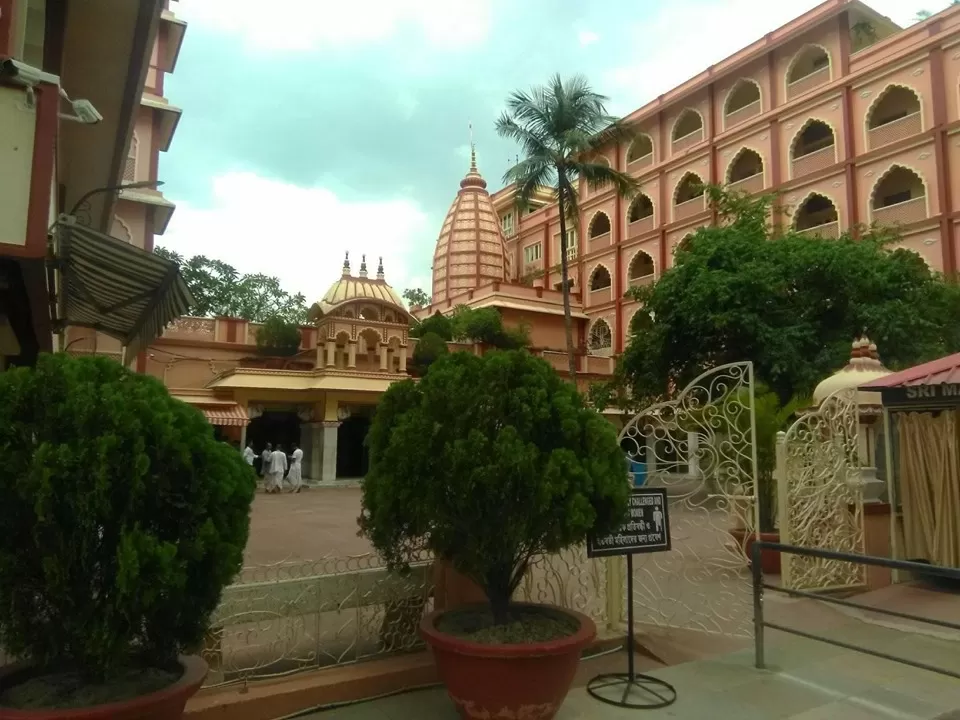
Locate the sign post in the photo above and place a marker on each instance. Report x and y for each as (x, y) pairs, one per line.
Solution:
(646, 530)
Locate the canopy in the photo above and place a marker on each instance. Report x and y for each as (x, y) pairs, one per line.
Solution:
(116, 288)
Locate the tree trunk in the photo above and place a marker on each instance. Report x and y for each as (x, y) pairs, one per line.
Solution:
(565, 283)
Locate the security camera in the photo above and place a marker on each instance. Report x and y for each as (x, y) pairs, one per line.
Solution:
(86, 112)
(27, 74)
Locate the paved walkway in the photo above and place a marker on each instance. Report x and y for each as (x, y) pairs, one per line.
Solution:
(805, 680)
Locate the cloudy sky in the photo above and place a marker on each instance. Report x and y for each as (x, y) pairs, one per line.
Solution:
(312, 127)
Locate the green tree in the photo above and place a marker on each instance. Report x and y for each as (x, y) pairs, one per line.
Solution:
(562, 128)
(438, 324)
(416, 297)
(489, 461)
(792, 304)
(219, 289)
(485, 325)
(430, 348)
(277, 337)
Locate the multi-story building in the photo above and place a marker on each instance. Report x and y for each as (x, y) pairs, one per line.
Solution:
(852, 119)
(73, 111)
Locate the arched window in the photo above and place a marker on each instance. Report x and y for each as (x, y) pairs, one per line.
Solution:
(600, 336)
(640, 208)
(689, 188)
(640, 149)
(600, 279)
(743, 102)
(687, 130)
(130, 166)
(746, 164)
(369, 312)
(816, 211)
(813, 148)
(894, 115)
(899, 197)
(599, 226)
(641, 267)
(684, 243)
(810, 68)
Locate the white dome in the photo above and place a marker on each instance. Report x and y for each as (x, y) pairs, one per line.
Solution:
(864, 367)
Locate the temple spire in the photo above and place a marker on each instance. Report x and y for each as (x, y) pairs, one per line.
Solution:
(346, 264)
(473, 151)
(473, 179)
(363, 266)
(380, 270)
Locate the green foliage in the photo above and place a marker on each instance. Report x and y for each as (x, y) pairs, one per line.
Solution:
(488, 461)
(123, 518)
(220, 290)
(416, 297)
(792, 304)
(438, 324)
(429, 349)
(485, 325)
(562, 128)
(277, 337)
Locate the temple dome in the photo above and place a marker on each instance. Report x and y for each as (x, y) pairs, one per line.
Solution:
(349, 289)
(864, 367)
(471, 250)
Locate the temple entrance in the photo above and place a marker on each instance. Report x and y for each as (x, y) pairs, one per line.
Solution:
(277, 427)
(352, 455)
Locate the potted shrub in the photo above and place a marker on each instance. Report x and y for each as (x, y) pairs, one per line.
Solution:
(487, 462)
(123, 519)
(278, 338)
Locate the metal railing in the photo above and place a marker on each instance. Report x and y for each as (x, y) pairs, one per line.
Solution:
(760, 624)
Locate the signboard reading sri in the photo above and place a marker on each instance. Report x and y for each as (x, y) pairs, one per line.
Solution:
(646, 529)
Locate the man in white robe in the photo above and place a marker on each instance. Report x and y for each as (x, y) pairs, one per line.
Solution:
(295, 476)
(265, 465)
(249, 454)
(278, 466)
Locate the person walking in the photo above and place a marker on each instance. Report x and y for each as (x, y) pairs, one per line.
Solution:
(295, 476)
(278, 466)
(265, 465)
(248, 454)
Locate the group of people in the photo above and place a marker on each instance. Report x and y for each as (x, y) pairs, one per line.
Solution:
(275, 466)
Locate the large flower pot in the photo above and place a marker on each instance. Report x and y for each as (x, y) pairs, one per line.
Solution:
(528, 681)
(769, 559)
(165, 704)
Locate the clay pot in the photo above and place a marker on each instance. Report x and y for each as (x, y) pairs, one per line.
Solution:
(165, 704)
(769, 559)
(527, 681)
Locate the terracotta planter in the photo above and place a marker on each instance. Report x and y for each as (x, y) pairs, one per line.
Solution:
(165, 704)
(527, 681)
(769, 559)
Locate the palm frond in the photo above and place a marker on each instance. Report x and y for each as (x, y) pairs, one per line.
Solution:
(598, 175)
(529, 176)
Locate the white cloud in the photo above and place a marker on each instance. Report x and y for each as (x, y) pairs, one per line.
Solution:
(587, 37)
(300, 234)
(302, 25)
(671, 49)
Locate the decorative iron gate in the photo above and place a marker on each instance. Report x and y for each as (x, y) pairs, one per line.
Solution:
(701, 447)
(820, 494)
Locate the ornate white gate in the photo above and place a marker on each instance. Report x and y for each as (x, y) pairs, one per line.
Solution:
(701, 447)
(820, 495)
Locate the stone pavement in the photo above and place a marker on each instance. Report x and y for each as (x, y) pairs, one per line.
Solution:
(805, 680)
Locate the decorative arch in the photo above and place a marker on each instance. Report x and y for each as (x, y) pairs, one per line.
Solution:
(600, 278)
(342, 338)
(641, 146)
(887, 106)
(815, 134)
(130, 164)
(744, 93)
(690, 187)
(814, 210)
(641, 207)
(899, 183)
(637, 321)
(599, 225)
(369, 312)
(688, 122)
(684, 243)
(807, 60)
(745, 164)
(120, 230)
(641, 266)
(369, 339)
(601, 337)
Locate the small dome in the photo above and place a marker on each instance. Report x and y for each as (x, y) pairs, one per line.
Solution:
(350, 289)
(864, 367)
(471, 250)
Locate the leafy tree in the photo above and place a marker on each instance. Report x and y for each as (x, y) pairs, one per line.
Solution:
(277, 337)
(562, 128)
(430, 348)
(123, 518)
(489, 461)
(416, 297)
(926, 14)
(438, 324)
(219, 289)
(792, 304)
(485, 325)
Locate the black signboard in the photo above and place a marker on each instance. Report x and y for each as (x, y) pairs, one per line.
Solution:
(646, 529)
(944, 394)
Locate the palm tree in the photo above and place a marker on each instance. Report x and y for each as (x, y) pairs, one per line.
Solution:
(561, 128)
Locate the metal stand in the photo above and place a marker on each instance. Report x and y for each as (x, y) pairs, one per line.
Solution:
(655, 693)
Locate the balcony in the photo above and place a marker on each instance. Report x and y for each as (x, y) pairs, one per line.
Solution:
(741, 114)
(811, 162)
(904, 213)
(829, 231)
(808, 82)
(640, 162)
(688, 140)
(533, 266)
(641, 226)
(684, 210)
(751, 185)
(642, 281)
(896, 130)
